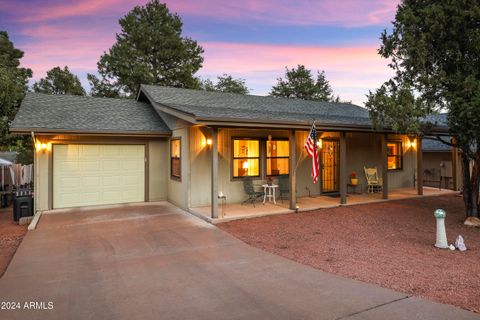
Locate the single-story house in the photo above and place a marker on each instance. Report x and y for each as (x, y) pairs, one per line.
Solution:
(188, 146)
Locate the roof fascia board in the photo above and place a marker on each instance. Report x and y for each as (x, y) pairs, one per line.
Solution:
(298, 125)
(90, 132)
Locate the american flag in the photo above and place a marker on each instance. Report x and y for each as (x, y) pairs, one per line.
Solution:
(311, 147)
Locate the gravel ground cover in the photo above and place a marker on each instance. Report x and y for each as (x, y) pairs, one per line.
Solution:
(389, 244)
(11, 235)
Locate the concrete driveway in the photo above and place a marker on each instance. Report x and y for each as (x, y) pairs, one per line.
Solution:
(154, 261)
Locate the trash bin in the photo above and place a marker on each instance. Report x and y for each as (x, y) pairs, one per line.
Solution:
(22, 204)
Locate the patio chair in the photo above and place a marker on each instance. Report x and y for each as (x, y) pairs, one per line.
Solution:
(253, 195)
(283, 188)
(374, 183)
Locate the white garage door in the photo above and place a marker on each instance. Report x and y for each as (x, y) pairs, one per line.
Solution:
(85, 175)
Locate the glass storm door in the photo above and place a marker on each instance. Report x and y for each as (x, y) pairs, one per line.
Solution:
(329, 158)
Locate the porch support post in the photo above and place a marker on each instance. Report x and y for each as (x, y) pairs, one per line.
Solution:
(214, 185)
(384, 166)
(454, 164)
(419, 167)
(292, 177)
(343, 167)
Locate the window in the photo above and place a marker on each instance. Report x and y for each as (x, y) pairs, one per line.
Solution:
(278, 152)
(394, 155)
(175, 158)
(246, 158)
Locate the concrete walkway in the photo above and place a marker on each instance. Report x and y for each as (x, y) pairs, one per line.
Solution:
(153, 261)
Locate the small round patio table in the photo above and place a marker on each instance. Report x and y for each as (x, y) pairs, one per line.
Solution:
(269, 192)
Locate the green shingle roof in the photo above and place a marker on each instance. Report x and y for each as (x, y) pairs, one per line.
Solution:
(89, 114)
(209, 105)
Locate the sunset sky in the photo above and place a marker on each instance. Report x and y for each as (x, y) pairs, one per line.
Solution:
(250, 39)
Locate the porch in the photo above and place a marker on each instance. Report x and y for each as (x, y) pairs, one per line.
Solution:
(228, 163)
(235, 211)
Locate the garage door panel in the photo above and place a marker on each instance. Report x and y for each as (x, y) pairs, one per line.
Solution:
(90, 165)
(98, 174)
(112, 182)
(110, 164)
(91, 181)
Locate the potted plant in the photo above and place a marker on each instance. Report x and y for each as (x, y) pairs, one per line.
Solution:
(270, 180)
(353, 178)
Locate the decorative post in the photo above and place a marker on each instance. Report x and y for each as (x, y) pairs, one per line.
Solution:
(454, 164)
(384, 155)
(214, 186)
(343, 168)
(441, 233)
(419, 167)
(292, 177)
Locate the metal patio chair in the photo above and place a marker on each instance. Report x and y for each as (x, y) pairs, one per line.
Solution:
(253, 196)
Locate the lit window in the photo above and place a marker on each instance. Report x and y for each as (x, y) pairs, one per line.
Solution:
(278, 153)
(246, 158)
(175, 159)
(394, 155)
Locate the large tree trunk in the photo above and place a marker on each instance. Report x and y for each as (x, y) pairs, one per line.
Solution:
(471, 184)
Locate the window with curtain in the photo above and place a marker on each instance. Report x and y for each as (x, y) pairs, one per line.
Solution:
(394, 155)
(278, 157)
(246, 158)
(175, 159)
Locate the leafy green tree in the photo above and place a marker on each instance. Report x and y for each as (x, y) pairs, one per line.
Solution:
(102, 88)
(226, 83)
(299, 83)
(13, 85)
(150, 49)
(434, 48)
(59, 81)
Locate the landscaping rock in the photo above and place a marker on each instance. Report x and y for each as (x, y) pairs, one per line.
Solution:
(472, 222)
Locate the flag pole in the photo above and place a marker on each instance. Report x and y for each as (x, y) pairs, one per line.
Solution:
(303, 150)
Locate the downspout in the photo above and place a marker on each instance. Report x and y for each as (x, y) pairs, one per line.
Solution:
(34, 174)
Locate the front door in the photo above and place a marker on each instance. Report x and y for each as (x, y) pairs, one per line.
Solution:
(329, 162)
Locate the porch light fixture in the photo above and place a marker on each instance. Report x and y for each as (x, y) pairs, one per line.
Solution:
(411, 143)
(39, 146)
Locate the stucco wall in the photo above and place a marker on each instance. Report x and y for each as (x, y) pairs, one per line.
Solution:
(157, 165)
(178, 189)
(158, 170)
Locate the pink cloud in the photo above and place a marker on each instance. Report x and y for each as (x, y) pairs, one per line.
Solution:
(352, 71)
(29, 13)
(349, 13)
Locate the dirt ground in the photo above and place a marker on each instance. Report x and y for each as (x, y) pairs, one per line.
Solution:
(389, 244)
(11, 235)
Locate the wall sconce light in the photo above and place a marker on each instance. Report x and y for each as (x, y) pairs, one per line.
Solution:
(319, 143)
(411, 143)
(40, 146)
(209, 142)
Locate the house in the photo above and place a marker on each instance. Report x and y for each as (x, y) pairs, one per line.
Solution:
(187, 146)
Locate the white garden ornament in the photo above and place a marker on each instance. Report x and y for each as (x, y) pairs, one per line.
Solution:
(441, 233)
(460, 244)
